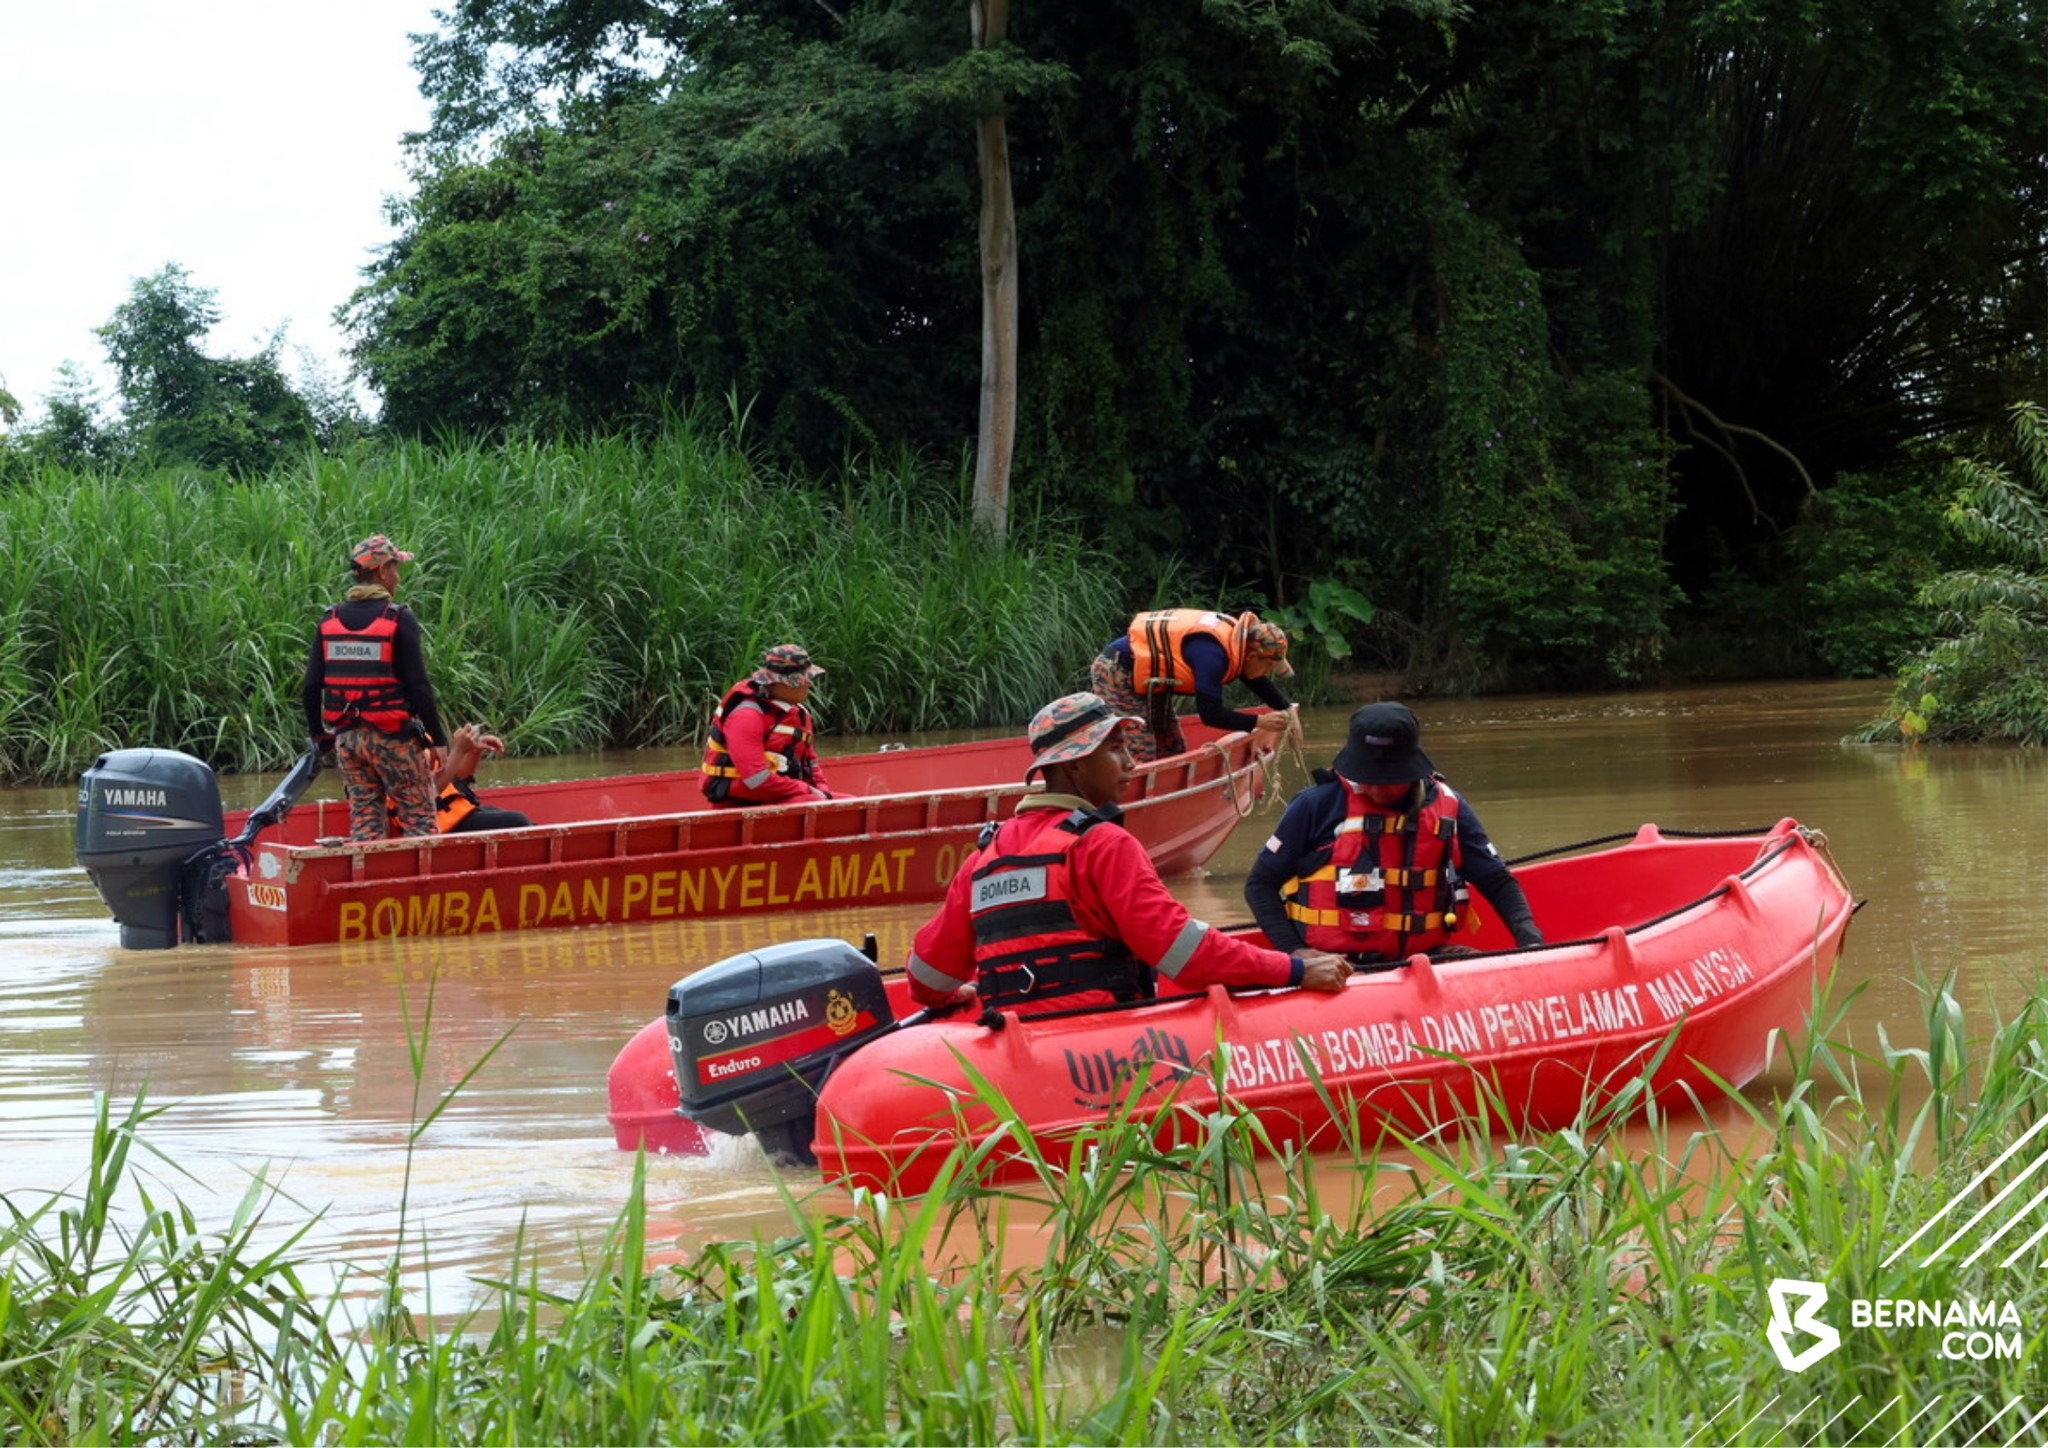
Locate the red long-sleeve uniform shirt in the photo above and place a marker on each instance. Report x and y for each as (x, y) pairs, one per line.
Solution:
(746, 731)
(1117, 895)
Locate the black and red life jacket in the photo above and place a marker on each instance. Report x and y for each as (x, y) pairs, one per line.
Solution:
(359, 673)
(787, 744)
(1390, 885)
(1028, 946)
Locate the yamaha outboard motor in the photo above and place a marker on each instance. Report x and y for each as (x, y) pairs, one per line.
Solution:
(143, 815)
(149, 835)
(755, 1035)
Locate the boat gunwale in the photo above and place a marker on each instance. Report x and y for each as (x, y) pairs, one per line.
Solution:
(1440, 1063)
(1228, 776)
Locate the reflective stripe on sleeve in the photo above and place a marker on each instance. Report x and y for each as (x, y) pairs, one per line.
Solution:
(927, 974)
(755, 781)
(1183, 948)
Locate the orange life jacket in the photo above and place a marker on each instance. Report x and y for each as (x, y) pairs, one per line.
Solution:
(1028, 947)
(359, 673)
(1390, 885)
(456, 804)
(787, 743)
(1156, 640)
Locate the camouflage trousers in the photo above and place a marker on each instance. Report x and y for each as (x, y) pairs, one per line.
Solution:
(377, 768)
(1162, 734)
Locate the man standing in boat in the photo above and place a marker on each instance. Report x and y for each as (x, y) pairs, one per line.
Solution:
(1173, 652)
(366, 693)
(1060, 906)
(1372, 861)
(759, 750)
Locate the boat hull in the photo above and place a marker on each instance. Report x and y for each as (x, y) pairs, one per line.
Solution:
(646, 847)
(1675, 959)
(1519, 1038)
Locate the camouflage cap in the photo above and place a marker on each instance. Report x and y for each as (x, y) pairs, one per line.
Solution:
(1071, 727)
(786, 664)
(375, 551)
(1263, 640)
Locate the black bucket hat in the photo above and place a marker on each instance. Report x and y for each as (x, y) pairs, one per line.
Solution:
(1385, 747)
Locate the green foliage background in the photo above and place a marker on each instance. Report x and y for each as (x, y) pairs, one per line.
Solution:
(573, 596)
(1576, 339)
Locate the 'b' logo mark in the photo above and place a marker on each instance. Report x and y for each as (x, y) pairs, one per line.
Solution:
(1786, 1319)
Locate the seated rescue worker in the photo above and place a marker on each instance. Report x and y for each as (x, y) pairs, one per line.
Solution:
(759, 750)
(1178, 651)
(1060, 906)
(1372, 861)
(456, 807)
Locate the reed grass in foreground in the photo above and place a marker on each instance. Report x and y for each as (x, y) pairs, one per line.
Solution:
(1567, 1287)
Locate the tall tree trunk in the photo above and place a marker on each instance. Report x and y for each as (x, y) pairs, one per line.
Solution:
(998, 435)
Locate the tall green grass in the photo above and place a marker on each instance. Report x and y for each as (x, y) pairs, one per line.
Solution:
(1602, 1284)
(573, 595)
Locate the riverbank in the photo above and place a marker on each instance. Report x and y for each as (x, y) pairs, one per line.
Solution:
(574, 596)
(1606, 1284)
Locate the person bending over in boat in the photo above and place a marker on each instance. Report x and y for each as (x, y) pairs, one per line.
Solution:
(1060, 906)
(759, 750)
(366, 697)
(456, 806)
(1178, 651)
(1372, 861)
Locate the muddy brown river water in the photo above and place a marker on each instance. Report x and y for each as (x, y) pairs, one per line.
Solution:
(314, 1066)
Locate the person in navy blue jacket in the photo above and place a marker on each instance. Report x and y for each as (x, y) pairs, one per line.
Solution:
(1374, 860)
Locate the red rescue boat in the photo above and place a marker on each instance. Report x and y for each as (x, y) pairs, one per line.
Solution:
(1675, 955)
(647, 847)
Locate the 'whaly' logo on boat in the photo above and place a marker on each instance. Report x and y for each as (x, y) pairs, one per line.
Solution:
(1100, 1075)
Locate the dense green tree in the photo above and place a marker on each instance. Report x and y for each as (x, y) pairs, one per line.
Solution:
(238, 415)
(1503, 318)
(1986, 674)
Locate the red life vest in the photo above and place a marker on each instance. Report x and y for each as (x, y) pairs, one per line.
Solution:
(1390, 885)
(787, 744)
(359, 673)
(1156, 639)
(1028, 947)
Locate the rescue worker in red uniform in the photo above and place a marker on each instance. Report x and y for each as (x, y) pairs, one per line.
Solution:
(366, 694)
(1373, 861)
(759, 750)
(1171, 653)
(1061, 907)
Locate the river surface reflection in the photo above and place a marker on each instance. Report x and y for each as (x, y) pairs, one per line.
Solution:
(314, 1066)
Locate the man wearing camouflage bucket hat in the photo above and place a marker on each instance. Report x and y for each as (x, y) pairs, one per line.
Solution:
(1060, 906)
(1170, 653)
(758, 749)
(366, 695)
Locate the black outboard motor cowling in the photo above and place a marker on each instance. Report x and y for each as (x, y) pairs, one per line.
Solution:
(755, 1035)
(143, 816)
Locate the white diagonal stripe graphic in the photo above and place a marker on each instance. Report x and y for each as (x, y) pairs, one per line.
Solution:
(1831, 1422)
(1717, 1413)
(1975, 1217)
(1916, 1417)
(1989, 1421)
(1975, 1182)
(1943, 1429)
(1878, 1416)
(2019, 1251)
(1736, 1436)
(2024, 1426)
(2010, 1222)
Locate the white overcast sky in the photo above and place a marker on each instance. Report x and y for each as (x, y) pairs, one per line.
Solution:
(251, 141)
